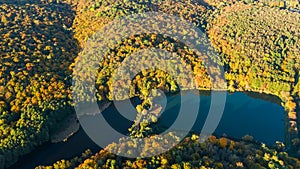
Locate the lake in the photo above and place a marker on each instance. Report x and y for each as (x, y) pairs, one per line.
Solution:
(243, 115)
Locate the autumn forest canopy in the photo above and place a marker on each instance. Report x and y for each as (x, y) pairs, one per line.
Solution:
(259, 47)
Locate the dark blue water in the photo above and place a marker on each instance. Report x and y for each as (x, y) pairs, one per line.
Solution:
(243, 115)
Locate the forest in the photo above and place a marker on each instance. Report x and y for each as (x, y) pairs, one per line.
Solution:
(41, 39)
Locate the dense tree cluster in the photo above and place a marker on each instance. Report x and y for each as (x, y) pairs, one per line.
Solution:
(36, 49)
(260, 49)
(145, 80)
(92, 15)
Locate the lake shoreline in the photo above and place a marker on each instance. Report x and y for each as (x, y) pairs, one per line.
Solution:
(73, 124)
(69, 128)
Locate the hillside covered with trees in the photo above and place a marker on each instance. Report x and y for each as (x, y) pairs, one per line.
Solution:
(36, 50)
(40, 40)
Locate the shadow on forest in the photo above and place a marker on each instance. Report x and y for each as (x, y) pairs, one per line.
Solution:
(58, 36)
(65, 46)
